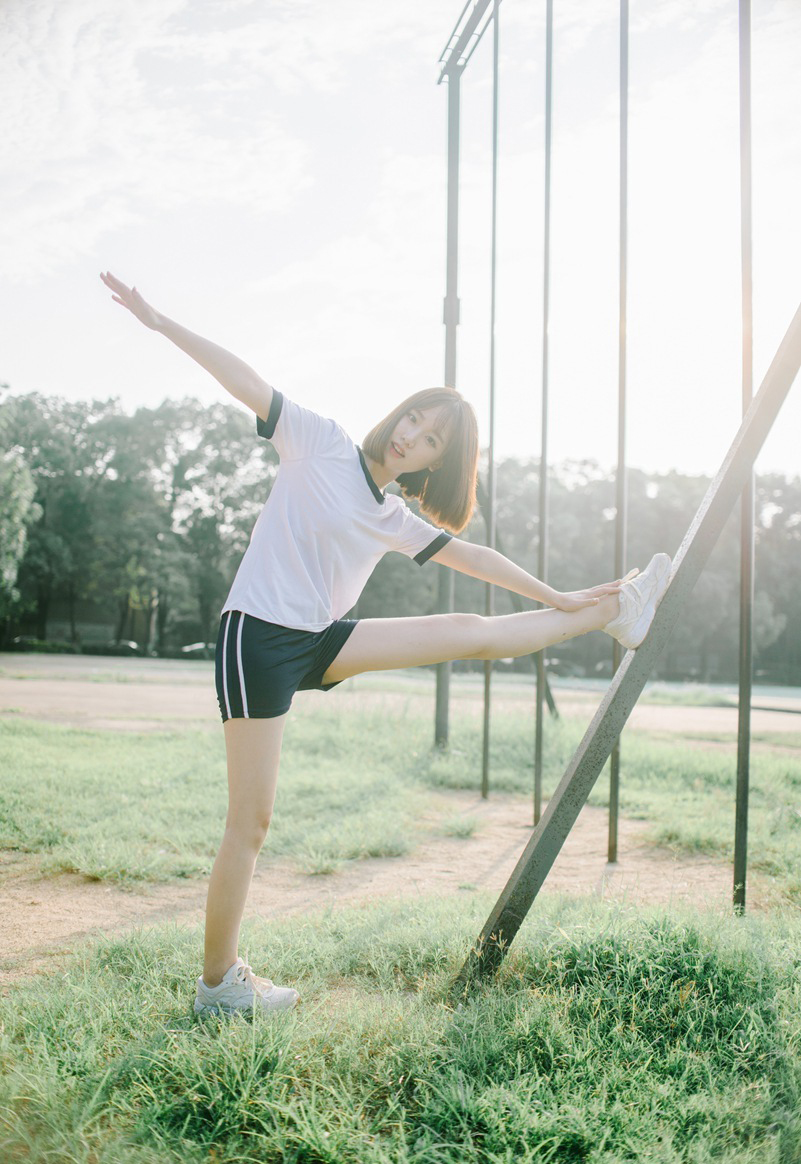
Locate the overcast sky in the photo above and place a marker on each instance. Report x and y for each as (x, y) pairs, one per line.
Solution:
(271, 173)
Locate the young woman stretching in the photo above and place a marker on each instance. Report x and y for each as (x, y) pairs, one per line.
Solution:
(321, 533)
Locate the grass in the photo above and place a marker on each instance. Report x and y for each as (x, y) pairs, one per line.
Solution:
(609, 1035)
(151, 807)
(687, 695)
(687, 793)
(360, 779)
(460, 826)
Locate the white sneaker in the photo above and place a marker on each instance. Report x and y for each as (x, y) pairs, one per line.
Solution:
(241, 990)
(639, 598)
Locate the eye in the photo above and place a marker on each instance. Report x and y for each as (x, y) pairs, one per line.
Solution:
(432, 442)
(413, 417)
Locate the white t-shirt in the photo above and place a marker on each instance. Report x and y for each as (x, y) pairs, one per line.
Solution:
(324, 527)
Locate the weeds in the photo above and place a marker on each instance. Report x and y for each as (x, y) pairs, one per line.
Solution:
(608, 1035)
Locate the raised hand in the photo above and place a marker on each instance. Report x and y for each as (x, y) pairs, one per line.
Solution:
(129, 297)
(578, 599)
(234, 374)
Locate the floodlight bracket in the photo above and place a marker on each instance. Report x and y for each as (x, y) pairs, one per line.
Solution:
(464, 39)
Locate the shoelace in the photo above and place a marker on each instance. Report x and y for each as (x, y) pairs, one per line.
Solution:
(257, 985)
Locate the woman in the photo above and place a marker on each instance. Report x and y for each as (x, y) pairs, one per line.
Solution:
(325, 526)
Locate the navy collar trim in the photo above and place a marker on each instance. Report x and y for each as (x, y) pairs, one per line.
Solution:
(379, 496)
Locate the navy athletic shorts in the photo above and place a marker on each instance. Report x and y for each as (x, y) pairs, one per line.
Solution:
(260, 665)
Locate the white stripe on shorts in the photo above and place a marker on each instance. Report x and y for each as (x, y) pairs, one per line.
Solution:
(225, 667)
(239, 665)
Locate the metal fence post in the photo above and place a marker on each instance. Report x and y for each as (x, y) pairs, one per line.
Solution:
(451, 320)
(747, 503)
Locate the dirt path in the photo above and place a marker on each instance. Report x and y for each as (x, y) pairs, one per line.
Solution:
(150, 694)
(47, 917)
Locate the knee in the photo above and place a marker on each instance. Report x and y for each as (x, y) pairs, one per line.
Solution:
(474, 631)
(248, 834)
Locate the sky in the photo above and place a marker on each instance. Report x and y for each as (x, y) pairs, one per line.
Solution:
(271, 174)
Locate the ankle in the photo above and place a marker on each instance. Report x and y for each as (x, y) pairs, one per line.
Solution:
(214, 974)
(608, 608)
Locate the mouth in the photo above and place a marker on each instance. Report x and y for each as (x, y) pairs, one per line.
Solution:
(396, 449)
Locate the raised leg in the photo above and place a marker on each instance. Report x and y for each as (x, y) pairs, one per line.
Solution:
(381, 644)
(253, 750)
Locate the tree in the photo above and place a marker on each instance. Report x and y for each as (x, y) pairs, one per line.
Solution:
(213, 474)
(67, 457)
(778, 568)
(17, 511)
(148, 515)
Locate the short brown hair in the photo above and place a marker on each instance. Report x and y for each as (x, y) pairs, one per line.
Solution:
(448, 494)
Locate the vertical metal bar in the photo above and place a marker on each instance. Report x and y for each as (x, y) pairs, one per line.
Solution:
(514, 599)
(747, 504)
(542, 548)
(488, 596)
(626, 687)
(451, 320)
(621, 515)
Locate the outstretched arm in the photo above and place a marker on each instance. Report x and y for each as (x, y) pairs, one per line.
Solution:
(234, 374)
(487, 564)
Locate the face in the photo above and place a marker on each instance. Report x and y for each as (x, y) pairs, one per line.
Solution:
(418, 441)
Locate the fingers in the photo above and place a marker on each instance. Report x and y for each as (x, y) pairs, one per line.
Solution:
(593, 594)
(614, 587)
(114, 284)
(125, 296)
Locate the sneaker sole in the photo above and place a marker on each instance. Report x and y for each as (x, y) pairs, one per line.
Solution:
(205, 1010)
(640, 629)
(206, 1013)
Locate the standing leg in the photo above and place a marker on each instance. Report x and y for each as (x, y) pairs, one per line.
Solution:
(253, 750)
(381, 644)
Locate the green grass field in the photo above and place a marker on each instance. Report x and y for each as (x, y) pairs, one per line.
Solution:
(610, 1034)
(150, 806)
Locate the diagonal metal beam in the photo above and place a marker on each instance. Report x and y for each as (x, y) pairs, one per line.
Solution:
(627, 684)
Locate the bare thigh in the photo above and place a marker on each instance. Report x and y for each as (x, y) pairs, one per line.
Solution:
(382, 644)
(253, 752)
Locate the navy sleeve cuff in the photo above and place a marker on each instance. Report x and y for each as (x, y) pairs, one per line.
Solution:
(266, 428)
(439, 541)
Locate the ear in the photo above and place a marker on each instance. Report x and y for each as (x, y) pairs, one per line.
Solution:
(433, 468)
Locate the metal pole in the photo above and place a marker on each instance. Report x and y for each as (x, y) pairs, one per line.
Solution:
(621, 515)
(747, 504)
(592, 753)
(490, 515)
(515, 599)
(542, 548)
(451, 320)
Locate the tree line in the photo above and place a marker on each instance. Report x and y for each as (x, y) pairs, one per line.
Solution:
(138, 522)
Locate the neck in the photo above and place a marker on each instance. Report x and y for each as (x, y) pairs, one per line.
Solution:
(380, 473)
